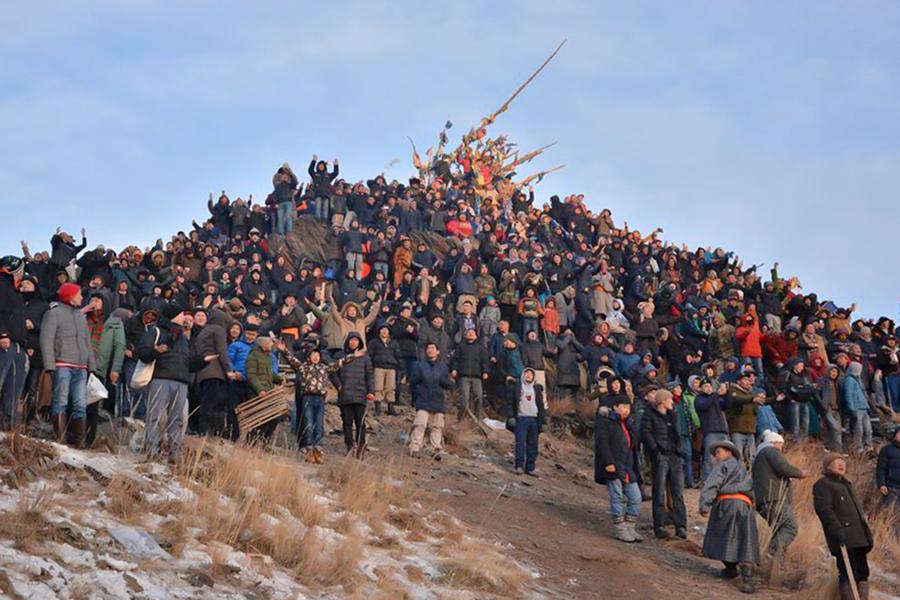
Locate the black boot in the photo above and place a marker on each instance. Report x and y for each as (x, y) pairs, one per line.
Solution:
(730, 571)
(391, 410)
(377, 409)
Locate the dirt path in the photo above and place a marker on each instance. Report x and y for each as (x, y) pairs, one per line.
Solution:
(557, 524)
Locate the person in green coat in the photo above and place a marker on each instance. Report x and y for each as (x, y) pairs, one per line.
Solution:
(109, 354)
(261, 378)
(689, 422)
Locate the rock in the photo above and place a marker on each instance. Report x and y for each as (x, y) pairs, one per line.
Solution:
(200, 579)
(137, 542)
(116, 564)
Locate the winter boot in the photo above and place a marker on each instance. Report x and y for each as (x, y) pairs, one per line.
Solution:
(60, 426)
(78, 428)
(378, 408)
(747, 585)
(622, 532)
(631, 523)
(391, 410)
(730, 571)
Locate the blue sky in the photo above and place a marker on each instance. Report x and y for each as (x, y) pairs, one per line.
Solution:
(769, 128)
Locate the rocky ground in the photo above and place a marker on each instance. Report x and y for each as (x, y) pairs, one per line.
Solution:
(464, 526)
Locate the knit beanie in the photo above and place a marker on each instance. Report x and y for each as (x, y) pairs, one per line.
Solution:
(830, 458)
(67, 292)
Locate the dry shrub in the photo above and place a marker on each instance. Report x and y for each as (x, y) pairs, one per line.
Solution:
(561, 408)
(248, 499)
(25, 458)
(478, 567)
(125, 496)
(26, 525)
(373, 491)
(461, 437)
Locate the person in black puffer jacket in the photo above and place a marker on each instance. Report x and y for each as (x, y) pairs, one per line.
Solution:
(355, 383)
(661, 436)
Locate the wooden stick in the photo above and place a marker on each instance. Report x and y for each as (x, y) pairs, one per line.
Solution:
(850, 576)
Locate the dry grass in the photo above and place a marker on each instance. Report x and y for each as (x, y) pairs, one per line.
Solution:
(24, 458)
(477, 567)
(125, 496)
(26, 525)
(808, 564)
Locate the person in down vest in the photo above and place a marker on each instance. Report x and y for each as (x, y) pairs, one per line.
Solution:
(355, 383)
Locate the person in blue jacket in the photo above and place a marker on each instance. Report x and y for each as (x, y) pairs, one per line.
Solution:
(430, 378)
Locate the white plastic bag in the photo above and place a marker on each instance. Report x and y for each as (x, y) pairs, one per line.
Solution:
(96, 391)
(143, 372)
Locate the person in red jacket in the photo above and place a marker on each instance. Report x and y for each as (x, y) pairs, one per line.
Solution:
(781, 347)
(749, 337)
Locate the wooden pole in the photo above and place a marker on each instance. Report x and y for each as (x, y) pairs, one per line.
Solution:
(850, 576)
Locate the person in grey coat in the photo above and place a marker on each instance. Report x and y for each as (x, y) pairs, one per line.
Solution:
(727, 497)
(772, 474)
(66, 351)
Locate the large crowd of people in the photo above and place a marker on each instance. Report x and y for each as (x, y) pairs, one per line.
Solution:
(686, 359)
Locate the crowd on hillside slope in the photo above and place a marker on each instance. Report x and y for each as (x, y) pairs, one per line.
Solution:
(530, 303)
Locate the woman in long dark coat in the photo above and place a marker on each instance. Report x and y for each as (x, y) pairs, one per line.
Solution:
(568, 376)
(727, 498)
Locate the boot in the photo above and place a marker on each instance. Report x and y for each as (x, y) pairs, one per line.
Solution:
(320, 456)
(377, 408)
(78, 428)
(845, 591)
(863, 587)
(60, 426)
(747, 586)
(622, 532)
(391, 410)
(631, 523)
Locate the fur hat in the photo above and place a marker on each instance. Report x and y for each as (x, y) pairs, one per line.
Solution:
(724, 444)
(830, 458)
(771, 437)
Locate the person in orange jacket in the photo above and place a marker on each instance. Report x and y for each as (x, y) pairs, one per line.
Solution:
(749, 337)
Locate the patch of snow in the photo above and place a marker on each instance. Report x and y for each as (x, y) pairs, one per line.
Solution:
(137, 542)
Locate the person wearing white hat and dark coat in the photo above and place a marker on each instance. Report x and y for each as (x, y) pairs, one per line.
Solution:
(772, 474)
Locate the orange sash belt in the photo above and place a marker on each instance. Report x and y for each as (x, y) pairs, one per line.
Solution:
(741, 497)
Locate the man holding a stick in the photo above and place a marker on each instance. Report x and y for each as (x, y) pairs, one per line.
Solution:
(844, 523)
